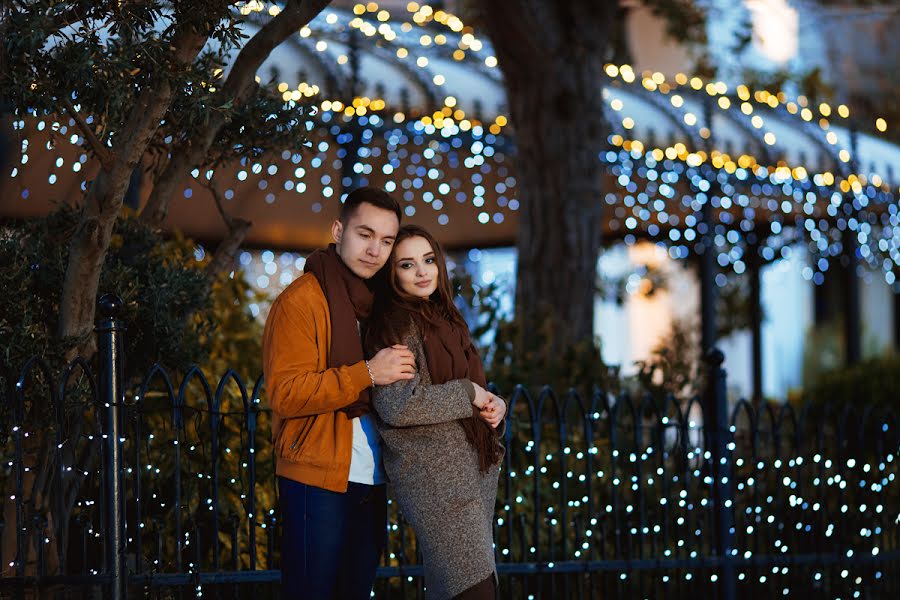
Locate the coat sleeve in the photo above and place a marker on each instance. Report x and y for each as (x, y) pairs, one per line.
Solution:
(411, 402)
(295, 385)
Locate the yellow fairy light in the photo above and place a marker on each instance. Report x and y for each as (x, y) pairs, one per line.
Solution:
(440, 39)
(696, 83)
(359, 9)
(831, 137)
(724, 102)
(494, 129)
(671, 154)
(372, 6)
(439, 79)
(616, 104)
(843, 111)
(501, 120)
(412, 7)
(844, 155)
(824, 109)
(612, 70)
(746, 108)
(628, 123)
(425, 40)
(769, 138)
(677, 101)
(305, 31)
(274, 10)
(690, 119)
(331, 19)
(711, 89)
(658, 78)
(402, 52)
(383, 15)
(450, 101)
(399, 117)
(881, 124)
(422, 61)
(321, 45)
(490, 61)
(342, 59)
(823, 123)
(757, 121)
(743, 92)
(459, 115)
(326, 105)
(806, 114)
(705, 133)
(282, 87)
(772, 101)
(802, 100)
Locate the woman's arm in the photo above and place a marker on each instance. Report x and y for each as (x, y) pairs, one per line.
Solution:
(410, 403)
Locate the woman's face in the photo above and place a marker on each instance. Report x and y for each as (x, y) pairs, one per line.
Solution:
(415, 267)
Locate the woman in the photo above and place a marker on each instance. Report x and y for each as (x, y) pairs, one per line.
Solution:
(440, 429)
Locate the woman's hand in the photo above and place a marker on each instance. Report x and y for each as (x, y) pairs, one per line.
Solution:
(494, 411)
(482, 396)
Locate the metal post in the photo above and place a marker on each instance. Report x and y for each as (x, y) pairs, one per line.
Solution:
(723, 488)
(112, 395)
(852, 321)
(754, 266)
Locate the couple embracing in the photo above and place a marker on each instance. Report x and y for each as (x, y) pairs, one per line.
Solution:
(373, 378)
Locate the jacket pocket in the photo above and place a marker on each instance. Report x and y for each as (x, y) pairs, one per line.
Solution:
(295, 433)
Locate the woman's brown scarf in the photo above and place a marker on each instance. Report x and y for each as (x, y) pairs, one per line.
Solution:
(349, 301)
(451, 355)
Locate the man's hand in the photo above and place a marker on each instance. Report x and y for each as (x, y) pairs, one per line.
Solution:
(392, 364)
(494, 411)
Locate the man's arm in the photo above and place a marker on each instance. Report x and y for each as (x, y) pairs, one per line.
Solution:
(290, 362)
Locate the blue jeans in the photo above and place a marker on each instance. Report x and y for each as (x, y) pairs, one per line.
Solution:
(330, 542)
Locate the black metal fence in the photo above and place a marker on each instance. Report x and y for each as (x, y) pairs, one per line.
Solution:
(165, 488)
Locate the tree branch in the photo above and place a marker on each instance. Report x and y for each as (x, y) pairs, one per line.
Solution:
(102, 152)
(240, 81)
(237, 231)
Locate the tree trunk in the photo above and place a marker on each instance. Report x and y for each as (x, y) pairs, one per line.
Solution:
(87, 250)
(551, 55)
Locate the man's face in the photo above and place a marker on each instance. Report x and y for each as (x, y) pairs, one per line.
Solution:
(365, 241)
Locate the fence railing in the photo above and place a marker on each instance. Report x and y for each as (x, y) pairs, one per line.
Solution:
(158, 485)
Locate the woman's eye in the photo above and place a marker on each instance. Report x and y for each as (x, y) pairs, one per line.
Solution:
(405, 265)
(429, 261)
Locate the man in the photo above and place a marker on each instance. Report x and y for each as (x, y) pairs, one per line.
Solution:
(328, 456)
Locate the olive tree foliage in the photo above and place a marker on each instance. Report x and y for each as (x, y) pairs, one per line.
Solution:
(154, 89)
(162, 87)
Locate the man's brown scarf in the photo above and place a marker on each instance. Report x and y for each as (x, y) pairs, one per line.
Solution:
(451, 355)
(349, 301)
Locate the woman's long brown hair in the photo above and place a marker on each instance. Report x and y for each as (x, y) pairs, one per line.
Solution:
(390, 321)
(392, 305)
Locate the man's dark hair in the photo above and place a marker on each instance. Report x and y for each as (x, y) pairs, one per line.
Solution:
(377, 197)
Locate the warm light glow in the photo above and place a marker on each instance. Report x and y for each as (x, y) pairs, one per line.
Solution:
(775, 28)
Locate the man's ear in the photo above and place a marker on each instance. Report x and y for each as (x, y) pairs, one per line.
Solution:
(337, 231)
